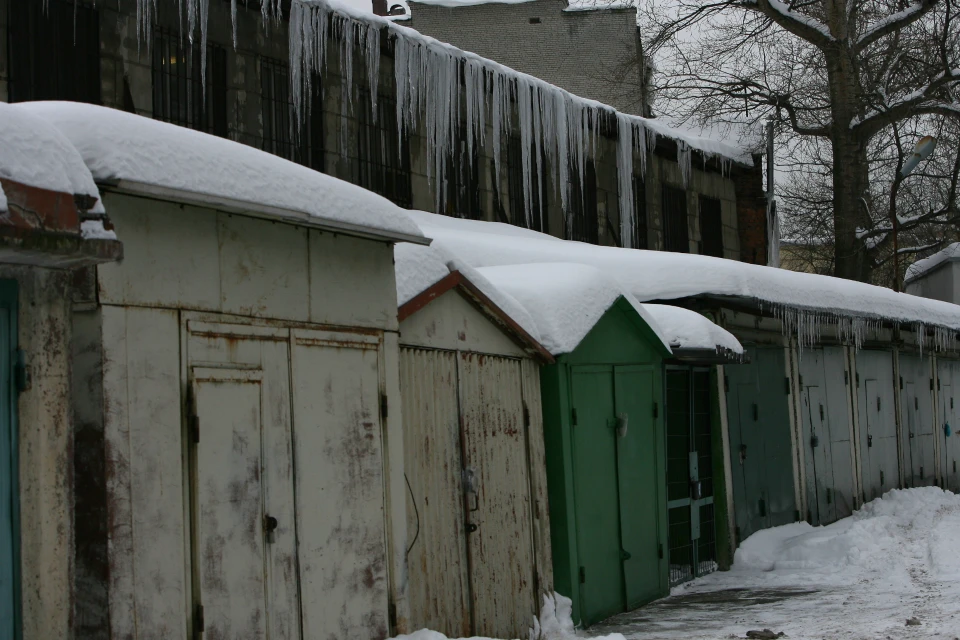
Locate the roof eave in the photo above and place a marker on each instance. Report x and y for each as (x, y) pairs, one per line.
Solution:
(256, 210)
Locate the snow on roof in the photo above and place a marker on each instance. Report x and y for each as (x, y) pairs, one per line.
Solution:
(686, 329)
(34, 153)
(420, 267)
(572, 5)
(126, 148)
(924, 265)
(566, 300)
(659, 275)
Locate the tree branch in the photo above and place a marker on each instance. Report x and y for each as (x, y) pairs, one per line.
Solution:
(894, 23)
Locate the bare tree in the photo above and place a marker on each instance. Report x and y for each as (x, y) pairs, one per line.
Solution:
(847, 80)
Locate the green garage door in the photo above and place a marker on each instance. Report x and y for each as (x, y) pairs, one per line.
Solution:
(879, 466)
(616, 481)
(916, 414)
(758, 414)
(9, 493)
(948, 374)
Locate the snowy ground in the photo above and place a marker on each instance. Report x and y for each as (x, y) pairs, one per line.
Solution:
(898, 558)
(859, 578)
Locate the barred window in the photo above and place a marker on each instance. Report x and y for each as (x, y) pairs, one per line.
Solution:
(382, 164)
(54, 51)
(462, 179)
(639, 213)
(515, 182)
(583, 205)
(674, 225)
(179, 94)
(711, 227)
(279, 137)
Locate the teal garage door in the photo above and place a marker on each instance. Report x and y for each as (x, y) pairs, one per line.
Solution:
(916, 414)
(879, 466)
(9, 492)
(948, 375)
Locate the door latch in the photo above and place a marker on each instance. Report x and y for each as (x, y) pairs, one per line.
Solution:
(869, 440)
(743, 453)
(625, 555)
(814, 441)
(696, 489)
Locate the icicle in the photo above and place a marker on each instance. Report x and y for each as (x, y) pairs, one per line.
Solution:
(372, 41)
(683, 159)
(500, 115)
(625, 147)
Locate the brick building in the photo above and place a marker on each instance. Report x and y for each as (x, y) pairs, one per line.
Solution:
(93, 53)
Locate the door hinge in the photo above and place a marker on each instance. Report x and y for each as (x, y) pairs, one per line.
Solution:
(763, 508)
(656, 410)
(796, 515)
(916, 403)
(736, 536)
(21, 372)
(198, 624)
(194, 424)
(878, 403)
(726, 382)
(526, 414)
(801, 382)
(881, 478)
(931, 384)
(829, 496)
(821, 413)
(392, 615)
(901, 383)
(756, 412)
(938, 384)
(583, 575)
(858, 381)
(573, 416)
(383, 406)
(786, 384)
(660, 551)
(846, 378)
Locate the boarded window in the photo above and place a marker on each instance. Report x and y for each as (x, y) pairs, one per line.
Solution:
(382, 164)
(179, 94)
(639, 213)
(538, 192)
(675, 220)
(54, 51)
(583, 205)
(279, 136)
(462, 179)
(711, 227)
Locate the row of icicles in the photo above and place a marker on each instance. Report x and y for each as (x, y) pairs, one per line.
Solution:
(455, 96)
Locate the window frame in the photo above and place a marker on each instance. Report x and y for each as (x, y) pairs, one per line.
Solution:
(675, 228)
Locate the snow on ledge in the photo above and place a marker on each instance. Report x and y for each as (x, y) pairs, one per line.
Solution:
(686, 329)
(924, 265)
(34, 153)
(119, 146)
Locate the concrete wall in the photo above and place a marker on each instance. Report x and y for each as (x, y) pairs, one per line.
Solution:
(126, 78)
(45, 452)
(940, 283)
(583, 52)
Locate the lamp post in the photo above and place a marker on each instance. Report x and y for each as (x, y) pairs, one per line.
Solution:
(921, 152)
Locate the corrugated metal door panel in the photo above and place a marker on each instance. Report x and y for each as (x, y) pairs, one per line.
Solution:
(339, 489)
(639, 476)
(437, 561)
(595, 495)
(811, 405)
(538, 476)
(229, 501)
(951, 413)
(495, 445)
(841, 498)
(917, 406)
(773, 420)
(878, 427)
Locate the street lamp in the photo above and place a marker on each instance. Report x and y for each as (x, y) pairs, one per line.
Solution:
(921, 152)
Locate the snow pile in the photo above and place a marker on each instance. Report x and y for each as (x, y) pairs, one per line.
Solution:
(594, 5)
(118, 146)
(922, 266)
(686, 329)
(566, 300)
(34, 153)
(94, 230)
(555, 623)
(418, 268)
(803, 301)
(875, 539)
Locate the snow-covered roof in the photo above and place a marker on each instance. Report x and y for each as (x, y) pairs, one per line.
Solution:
(925, 265)
(566, 300)
(37, 154)
(687, 330)
(148, 156)
(799, 298)
(572, 5)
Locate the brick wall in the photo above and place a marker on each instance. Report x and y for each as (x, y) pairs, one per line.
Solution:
(580, 51)
(752, 213)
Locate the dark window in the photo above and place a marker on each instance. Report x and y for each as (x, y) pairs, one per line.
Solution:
(462, 178)
(383, 158)
(583, 205)
(515, 182)
(179, 94)
(54, 51)
(675, 220)
(639, 213)
(279, 137)
(711, 227)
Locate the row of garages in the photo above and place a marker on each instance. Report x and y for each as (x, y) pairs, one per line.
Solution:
(266, 424)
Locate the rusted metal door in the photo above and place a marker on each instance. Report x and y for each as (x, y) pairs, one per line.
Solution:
(500, 523)
(339, 485)
(229, 502)
(439, 589)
